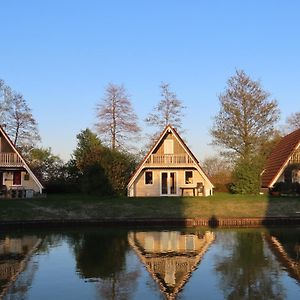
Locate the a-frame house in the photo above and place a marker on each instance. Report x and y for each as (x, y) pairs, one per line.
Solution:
(283, 164)
(16, 178)
(169, 169)
(171, 257)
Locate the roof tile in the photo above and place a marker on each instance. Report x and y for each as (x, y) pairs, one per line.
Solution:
(279, 157)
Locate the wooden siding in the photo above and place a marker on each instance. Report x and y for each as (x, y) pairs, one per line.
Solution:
(154, 190)
(169, 160)
(5, 147)
(10, 160)
(160, 242)
(295, 159)
(177, 147)
(29, 184)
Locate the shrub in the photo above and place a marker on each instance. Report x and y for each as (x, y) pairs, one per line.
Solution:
(246, 178)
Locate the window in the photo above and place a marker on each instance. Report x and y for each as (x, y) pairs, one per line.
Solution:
(26, 177)
(190, 243)
(188, 177)
(169, 147)
(148, 177)
(17, 178)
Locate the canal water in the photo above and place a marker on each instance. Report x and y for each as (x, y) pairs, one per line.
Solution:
(203, 263)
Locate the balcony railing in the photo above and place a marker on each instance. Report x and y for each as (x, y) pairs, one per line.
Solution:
(169, 159)
(10, 160)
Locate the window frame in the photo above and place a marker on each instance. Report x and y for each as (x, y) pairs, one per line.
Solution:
(145, 180)
(185, 177)
(169, 147)
(14, 178)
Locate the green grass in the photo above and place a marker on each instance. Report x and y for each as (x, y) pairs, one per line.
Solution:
(78, 206)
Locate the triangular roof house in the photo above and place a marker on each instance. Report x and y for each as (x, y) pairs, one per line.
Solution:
(16, 177)
(170, 257)
(287, 252)
(285, 153)
(169, 169)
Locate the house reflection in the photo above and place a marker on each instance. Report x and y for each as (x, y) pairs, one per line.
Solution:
(14, 254)
(170, 257)
(287, 250)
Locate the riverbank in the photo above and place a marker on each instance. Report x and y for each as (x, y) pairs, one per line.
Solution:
(86, 208)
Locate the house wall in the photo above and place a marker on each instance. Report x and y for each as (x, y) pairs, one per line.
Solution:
(4, 145)
(26, 184)
(172, 241)
(140, 189)
(177, 147)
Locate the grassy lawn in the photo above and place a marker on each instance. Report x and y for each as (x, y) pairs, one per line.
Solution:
(77, 206)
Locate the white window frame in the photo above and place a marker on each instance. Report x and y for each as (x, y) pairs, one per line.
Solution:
(168, 183)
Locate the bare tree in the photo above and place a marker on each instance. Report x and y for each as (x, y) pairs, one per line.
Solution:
(17, 117)
(117, 122)
(219, 171)
(168, 111)
(293, 121)
(5, 93)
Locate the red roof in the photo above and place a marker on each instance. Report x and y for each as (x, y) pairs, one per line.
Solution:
(279, 157)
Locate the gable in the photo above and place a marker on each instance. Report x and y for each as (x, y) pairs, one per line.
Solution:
(168, 141)
(280, 157)
(170, 257)
(4, 145)
(9, 147)
(182, 155)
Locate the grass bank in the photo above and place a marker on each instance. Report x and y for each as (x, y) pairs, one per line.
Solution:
(85, 207)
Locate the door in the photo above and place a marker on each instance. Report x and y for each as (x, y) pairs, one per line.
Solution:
(168, 183)
(17, 178)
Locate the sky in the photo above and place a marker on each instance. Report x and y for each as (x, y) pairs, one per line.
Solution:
(62, 54)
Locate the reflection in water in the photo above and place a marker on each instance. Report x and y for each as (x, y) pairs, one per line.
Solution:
(248, 271)
(14, 255)
(286, 247)
(170, 256)
(101, 258)
(94, 263)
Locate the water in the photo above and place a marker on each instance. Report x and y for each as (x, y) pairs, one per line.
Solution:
(94, 263)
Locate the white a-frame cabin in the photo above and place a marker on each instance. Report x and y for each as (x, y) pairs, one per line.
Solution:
(169, 169)
(16, 178)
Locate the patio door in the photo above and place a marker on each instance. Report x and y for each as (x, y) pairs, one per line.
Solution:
(168, 183)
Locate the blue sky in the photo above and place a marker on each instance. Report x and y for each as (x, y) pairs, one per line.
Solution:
(61, 54)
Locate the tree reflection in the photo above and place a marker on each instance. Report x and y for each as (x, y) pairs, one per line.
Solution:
(101, 257)
(249, 271)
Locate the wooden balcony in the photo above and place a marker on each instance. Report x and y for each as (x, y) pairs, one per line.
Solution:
(168, 160)
(10, 160)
